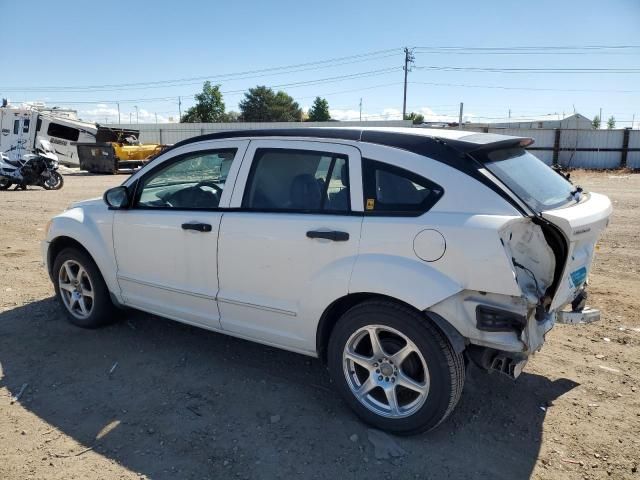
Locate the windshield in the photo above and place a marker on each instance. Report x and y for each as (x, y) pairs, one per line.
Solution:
(529, 178)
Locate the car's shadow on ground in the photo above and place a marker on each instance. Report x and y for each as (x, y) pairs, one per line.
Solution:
(171, 401)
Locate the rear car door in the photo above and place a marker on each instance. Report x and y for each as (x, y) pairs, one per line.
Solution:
(166, 243)
(289, 241)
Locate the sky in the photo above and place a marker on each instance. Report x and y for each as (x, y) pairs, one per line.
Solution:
(144, 55)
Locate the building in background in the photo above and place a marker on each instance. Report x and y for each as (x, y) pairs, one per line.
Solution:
(575, 121)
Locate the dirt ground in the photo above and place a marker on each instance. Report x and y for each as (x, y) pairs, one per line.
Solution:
(150, 398)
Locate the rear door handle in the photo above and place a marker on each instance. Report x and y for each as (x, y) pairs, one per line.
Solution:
(329, 235)
(198, 227)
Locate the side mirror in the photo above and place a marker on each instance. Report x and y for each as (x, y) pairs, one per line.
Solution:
(117, 198)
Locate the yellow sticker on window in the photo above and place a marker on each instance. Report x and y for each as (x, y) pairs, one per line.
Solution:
(371, 203)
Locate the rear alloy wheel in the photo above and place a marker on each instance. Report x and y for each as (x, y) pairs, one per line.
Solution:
(385, 371)
(81, 289)
(394, 368)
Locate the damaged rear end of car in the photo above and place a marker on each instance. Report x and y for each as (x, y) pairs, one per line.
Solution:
(550, 250)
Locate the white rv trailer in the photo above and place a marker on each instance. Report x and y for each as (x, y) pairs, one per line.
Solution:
(22, 126)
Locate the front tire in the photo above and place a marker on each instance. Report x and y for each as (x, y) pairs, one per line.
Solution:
(81, 289)
(394, 368)
(55, 181)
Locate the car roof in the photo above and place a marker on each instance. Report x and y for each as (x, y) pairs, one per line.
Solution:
(400, 137)
(450, 147)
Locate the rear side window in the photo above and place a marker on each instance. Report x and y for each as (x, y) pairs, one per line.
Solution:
(298, 181)
(64, 132)
(390, 190)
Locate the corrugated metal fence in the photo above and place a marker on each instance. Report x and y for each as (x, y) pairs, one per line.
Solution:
(169, 133)
(595, 149)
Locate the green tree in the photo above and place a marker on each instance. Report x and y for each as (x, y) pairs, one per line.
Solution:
(232, 117)
(415, 117)
(611, 123)
(262, 104)
(595, 123)
(209, 107)
(319, 111)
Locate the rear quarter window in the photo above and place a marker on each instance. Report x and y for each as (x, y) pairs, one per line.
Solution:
(390, 190)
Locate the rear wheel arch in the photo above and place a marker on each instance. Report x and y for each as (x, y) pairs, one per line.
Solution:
(337, 308)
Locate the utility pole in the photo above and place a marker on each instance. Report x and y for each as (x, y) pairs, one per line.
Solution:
(408, 58)
(360, 108)
(137, 119)
(633, 119)
(179, 109)
(460, 117)
(118, 112)
(130, 123)
(156, 118)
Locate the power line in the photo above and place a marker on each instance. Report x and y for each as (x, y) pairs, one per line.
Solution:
(529, 69)
(340, 61)
(533, 89)
(350, 59)
(532, 47)
(372, 73)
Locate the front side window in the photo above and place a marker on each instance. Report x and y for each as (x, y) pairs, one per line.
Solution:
(62, 131)
(194, 181)
(298, 181)
(529, 178)
(390, 190)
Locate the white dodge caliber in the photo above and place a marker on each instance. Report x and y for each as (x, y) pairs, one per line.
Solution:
(394, 255)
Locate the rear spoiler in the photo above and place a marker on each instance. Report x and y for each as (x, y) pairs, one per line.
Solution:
(488, 141)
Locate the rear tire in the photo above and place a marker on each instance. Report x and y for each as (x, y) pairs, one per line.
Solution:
(411, 384)
(81, 289)
(5, 183)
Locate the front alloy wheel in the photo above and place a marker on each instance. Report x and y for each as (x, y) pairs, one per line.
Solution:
(76, 289)
(81, 289)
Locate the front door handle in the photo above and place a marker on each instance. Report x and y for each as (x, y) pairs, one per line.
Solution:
(329, 235)
(198, 227)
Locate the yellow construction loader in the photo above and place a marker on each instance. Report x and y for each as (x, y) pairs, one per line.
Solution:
(117, 151)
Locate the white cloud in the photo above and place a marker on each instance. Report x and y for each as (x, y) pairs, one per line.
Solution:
(103, 113)
(396, 114)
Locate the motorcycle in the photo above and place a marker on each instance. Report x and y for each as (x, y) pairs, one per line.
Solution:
(39, 168)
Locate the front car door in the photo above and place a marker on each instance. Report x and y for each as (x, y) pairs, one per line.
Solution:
(166, 243)
(289, 241)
